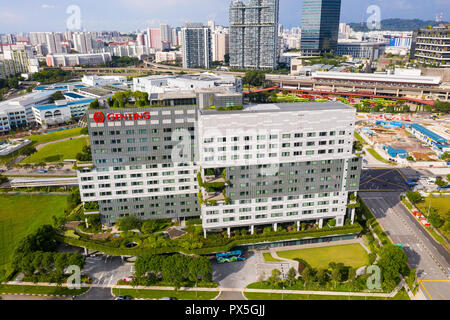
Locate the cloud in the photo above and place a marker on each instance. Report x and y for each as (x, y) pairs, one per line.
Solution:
(48, 6)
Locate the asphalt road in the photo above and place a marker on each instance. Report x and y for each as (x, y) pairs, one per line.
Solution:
(431, 260)
(106, 271)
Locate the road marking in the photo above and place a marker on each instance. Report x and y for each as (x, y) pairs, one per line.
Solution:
(421, 284)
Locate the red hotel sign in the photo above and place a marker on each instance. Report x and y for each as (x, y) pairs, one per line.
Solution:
(99, 117)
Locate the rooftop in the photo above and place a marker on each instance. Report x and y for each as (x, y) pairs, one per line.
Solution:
(286, 107)
(69, 103)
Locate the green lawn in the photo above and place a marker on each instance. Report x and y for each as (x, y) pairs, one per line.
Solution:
(377, 156)
(58, 152)
(57, 291)
(401, 295)
(442, 207)
(21, 215)
(55, 136)
(158, 294)
(268, 258)
(359, 138)
(352, 255)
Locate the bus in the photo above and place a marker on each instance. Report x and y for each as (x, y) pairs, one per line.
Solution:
(231, 256)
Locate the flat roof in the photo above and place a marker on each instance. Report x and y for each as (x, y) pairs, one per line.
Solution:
(429, 133)
(285, 107)
(69, 103)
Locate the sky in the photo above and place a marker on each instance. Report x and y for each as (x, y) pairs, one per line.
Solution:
(130, 15)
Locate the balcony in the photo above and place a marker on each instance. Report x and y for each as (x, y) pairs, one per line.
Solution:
(213, 186)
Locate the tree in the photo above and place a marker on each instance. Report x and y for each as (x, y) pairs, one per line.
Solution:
(57, 96)
(94, 105)
(337, 273)
(445, 156)
(149, 226)
(3, 179)
(275, 277)
(129, 223)
(27, 151)
(291, 275)
(322, 276)
(414, 197)
(254, 78)
(435, 219)
(308, 275)
(440, 183)
(393, 262)
(84, 131)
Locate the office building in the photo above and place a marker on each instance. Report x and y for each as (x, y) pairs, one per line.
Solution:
(254, 34)
(432, 46)
(320, 26)
(297, 166)
(95, 81)
(357, 49)
(196, 46)
(60, 111)
(69, 60)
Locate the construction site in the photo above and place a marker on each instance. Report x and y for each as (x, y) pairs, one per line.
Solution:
(399, 139)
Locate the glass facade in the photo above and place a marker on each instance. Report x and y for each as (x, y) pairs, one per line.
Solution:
(320, 26)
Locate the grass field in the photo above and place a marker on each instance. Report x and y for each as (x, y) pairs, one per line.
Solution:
(401, 295)
(21, 215)
(58, 152)
(158, 294)
(377, 156)
(55, 136)
(352, 255)
(52, 291)
(268, 258)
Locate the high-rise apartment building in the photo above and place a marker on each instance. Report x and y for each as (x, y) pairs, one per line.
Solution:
(53, 42)
(432, 46)
(166, 33)
(154, 38)
(220, 39)
(196, 45)
(82, 42)
(254, 34)
(269, 164)
(320, 26)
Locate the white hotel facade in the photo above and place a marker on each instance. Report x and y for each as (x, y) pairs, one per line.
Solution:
(269, 164)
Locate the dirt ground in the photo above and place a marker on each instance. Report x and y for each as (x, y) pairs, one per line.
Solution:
(399, 138)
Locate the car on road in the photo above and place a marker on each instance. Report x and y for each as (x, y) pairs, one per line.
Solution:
(42, 171)
(123, 298)
(168, 298)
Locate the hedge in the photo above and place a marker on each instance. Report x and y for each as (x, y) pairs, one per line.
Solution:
(243, 240)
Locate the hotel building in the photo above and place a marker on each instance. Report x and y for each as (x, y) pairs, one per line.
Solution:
(261, 165)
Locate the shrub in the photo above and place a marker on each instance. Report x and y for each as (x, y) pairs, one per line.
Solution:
(129, 223)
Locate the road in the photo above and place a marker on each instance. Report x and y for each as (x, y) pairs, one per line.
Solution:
(431, 260)
(106, 271)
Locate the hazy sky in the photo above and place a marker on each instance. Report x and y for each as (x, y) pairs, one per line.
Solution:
(128, 15)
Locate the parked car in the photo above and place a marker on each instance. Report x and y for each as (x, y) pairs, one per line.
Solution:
(124, 298)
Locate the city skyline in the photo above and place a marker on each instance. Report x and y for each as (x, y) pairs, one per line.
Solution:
(130, 15)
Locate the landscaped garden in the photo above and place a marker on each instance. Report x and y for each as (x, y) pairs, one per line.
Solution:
(58, 152)
(268, 257)
(21, 215)
(353, 255)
